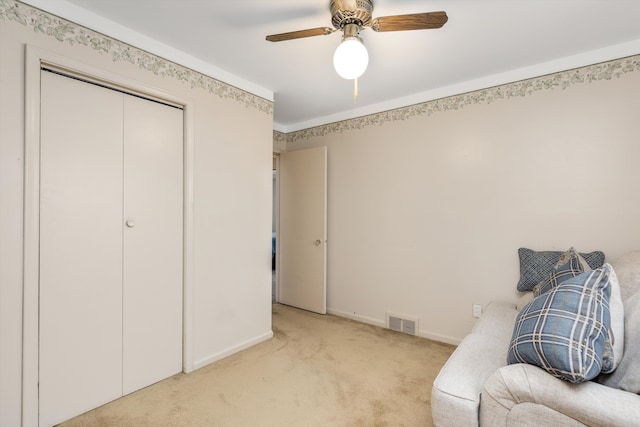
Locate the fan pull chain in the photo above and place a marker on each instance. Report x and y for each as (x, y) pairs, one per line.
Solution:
(355, 90)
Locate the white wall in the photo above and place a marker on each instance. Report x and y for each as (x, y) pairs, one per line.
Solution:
(427, 211)
(232, 192)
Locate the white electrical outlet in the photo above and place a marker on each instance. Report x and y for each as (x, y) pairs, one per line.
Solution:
(477, 310)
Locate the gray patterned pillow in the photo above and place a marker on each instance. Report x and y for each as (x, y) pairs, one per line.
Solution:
(535, 266)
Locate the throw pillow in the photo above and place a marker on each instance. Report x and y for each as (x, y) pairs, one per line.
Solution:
(565, 331)
(570, 265)
(536, 265)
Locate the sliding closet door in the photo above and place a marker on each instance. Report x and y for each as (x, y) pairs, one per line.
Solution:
(152, 243)
(80, 247)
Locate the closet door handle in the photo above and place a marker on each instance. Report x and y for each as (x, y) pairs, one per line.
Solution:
(130, 223)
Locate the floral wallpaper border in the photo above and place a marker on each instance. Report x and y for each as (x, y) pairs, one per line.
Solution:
(279, 137)
(68, 32)
(564, 79)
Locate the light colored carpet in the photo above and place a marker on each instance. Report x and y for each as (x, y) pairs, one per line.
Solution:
(316, 371)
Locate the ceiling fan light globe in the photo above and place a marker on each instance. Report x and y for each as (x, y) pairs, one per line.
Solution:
(351, 58)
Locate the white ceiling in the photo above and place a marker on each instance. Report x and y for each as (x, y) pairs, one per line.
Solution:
(484, 43)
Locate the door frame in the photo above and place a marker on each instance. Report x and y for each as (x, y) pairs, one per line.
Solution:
(276, 209)
(35, 58)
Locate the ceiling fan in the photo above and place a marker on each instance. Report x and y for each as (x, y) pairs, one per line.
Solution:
(352, 16)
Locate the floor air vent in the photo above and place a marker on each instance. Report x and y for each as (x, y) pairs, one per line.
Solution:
(401, 323)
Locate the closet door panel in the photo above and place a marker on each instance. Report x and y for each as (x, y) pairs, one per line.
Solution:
(153, 208)
(80, 247)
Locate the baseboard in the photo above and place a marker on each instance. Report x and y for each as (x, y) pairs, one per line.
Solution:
(230, 351)
(368, 320)
(357, 317)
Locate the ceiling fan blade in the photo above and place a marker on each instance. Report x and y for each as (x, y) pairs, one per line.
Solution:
(415, 21)
(321, 31)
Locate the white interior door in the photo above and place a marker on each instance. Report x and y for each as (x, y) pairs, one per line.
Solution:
(110, 245)
(302, 229)
(80, 348)
(152, 291)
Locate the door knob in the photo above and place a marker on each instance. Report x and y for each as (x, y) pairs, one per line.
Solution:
(130, 223)
(318, 242)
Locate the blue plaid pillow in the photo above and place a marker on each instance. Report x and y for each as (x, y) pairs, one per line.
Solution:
(535, 266)
(566, 330)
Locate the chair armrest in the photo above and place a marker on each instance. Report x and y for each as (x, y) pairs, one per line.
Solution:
(588, 403)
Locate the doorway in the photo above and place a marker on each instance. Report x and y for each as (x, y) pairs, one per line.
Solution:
(274, 230)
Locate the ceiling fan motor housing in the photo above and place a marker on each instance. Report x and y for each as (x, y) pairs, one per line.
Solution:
(344, 12)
